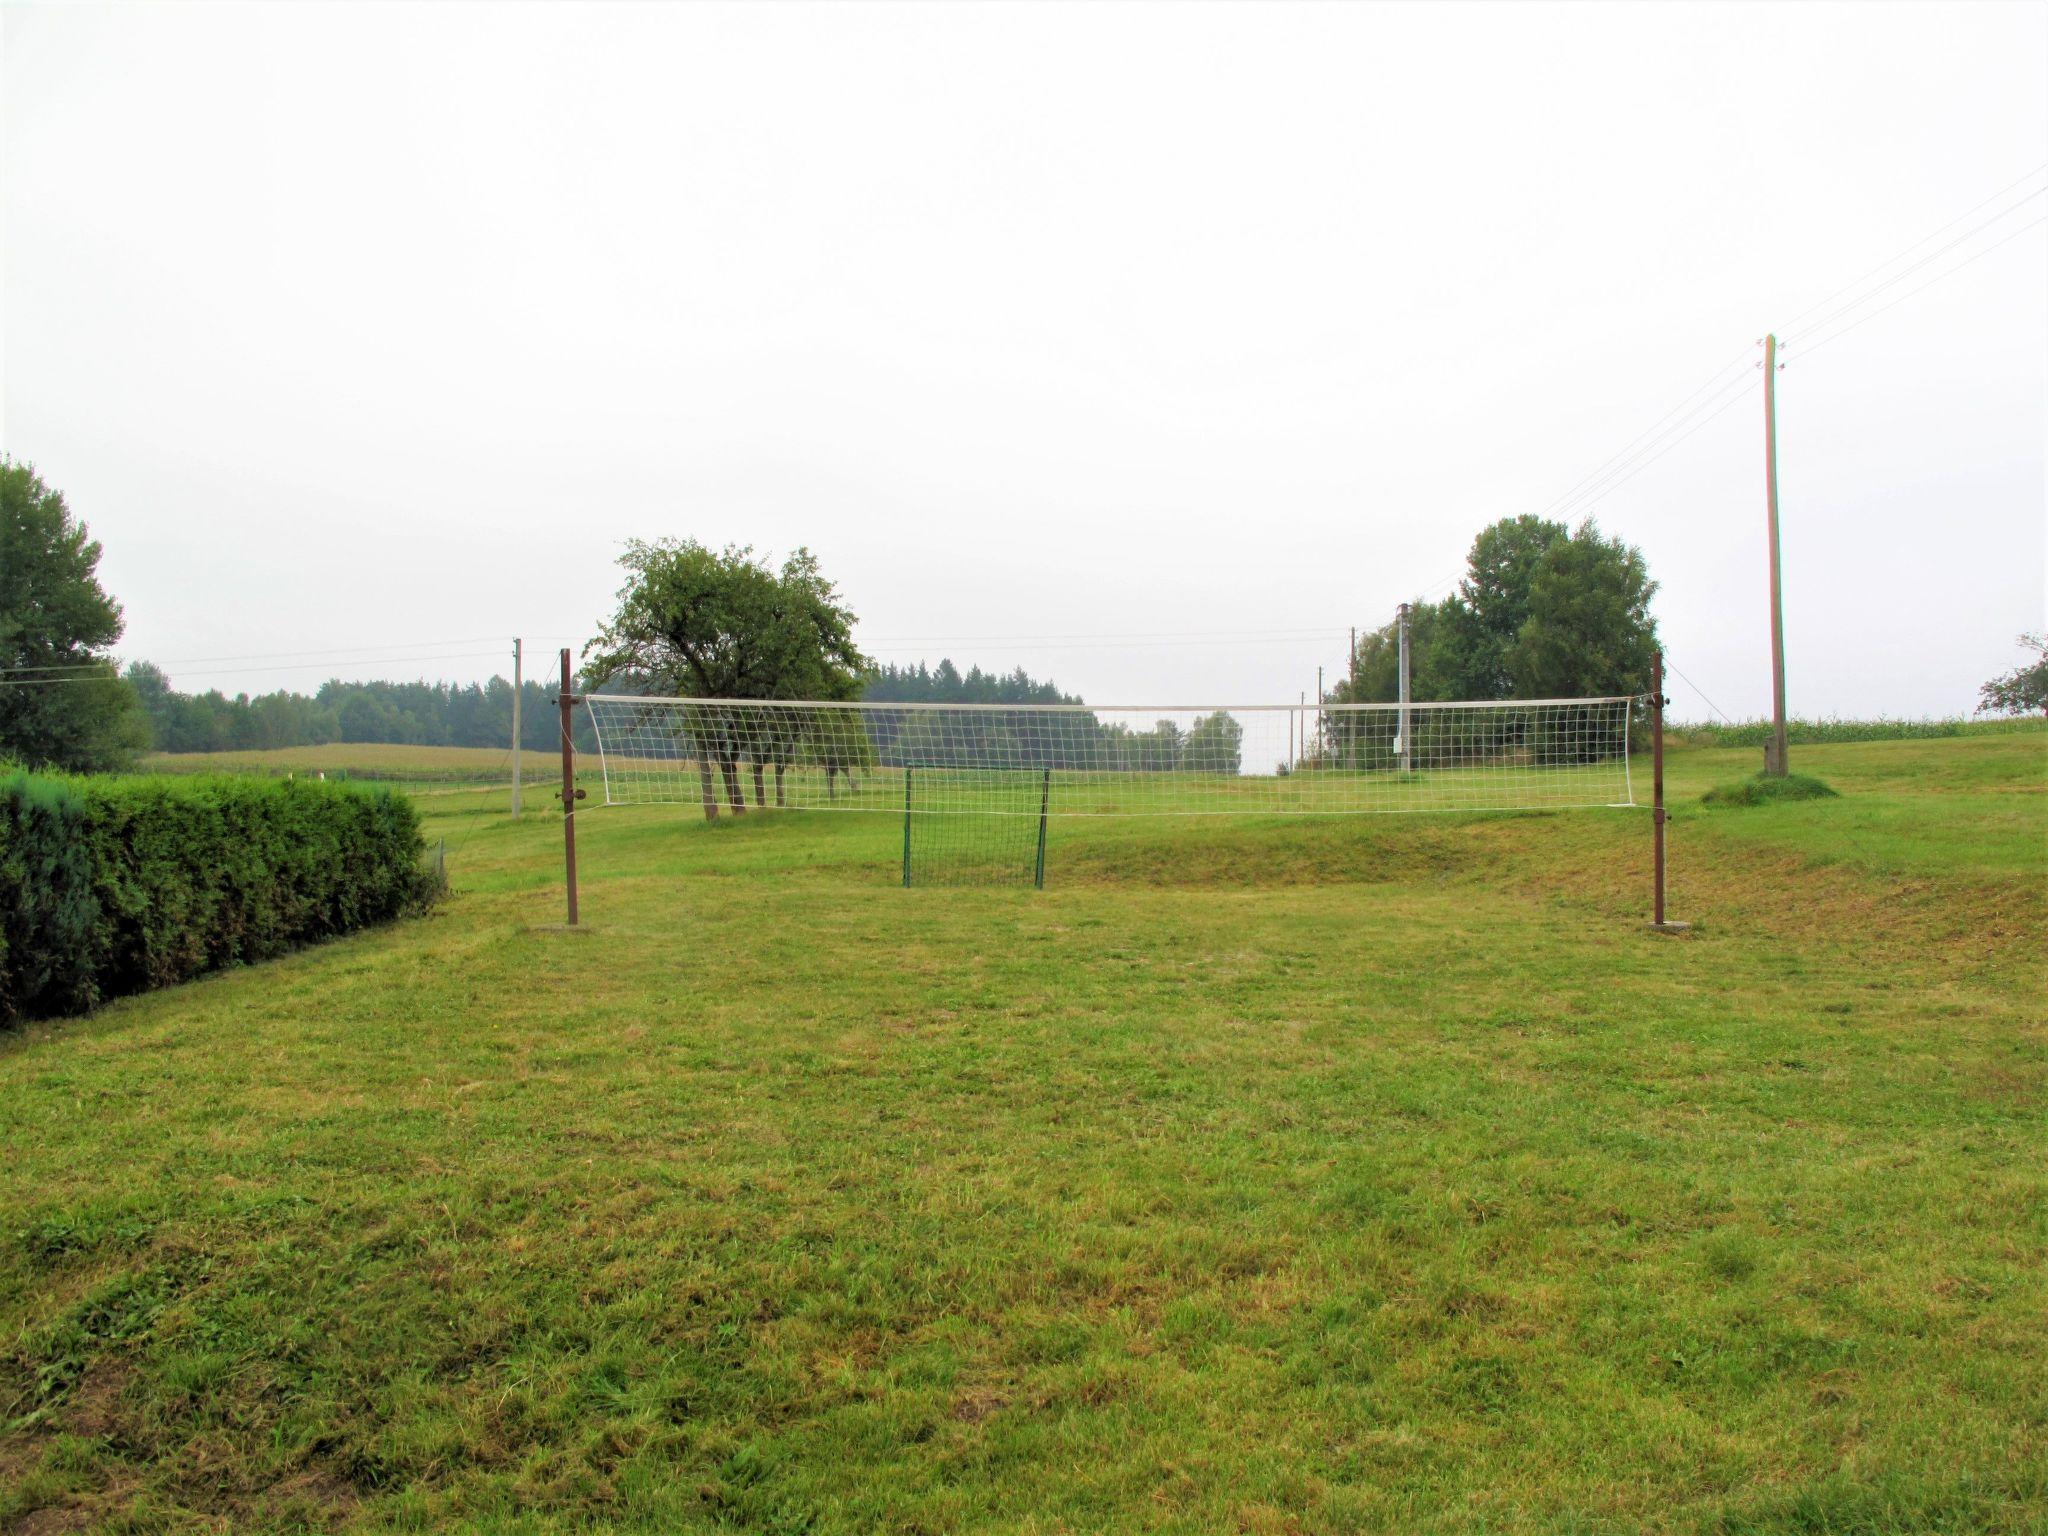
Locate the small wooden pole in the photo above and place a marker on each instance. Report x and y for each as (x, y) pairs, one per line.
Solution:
(1320, 724)
(569, 792)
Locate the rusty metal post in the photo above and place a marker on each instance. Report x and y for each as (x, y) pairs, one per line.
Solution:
(1657, 774)
(569, 791)
(1658, 921)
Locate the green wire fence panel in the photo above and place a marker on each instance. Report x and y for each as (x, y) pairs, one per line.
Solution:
(1124, 760)
(988, 776)
(971, 826)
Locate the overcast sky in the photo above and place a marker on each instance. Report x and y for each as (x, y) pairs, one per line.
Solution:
(360, 329)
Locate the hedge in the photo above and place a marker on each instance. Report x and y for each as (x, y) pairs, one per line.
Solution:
(110, 886)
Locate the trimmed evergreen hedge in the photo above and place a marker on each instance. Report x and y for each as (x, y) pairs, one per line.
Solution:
(111, 885)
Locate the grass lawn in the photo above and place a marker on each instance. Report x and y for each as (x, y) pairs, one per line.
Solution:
(361, 759)
(1379, 1174)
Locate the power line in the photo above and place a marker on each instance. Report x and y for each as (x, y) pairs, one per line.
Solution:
(1696, 688)
(1904, 273)
(1951, 224)
(1189, 634)
(1719, 393)
(55, 682)
(1809, 347)
(341, 652)
(306, 666)
(337, 653)
(1095, 645)
(1733, 400)
(1627, 467)
(1439, 585)
(69, 666)
(1714, 383)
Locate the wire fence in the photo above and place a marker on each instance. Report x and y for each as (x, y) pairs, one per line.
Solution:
(1122, 760)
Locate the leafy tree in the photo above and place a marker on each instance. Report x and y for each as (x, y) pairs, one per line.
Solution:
(2023, 690)
(62, 704)
(153, 695)
(1215, 744)
(721, 624)
(816, 658)
(1433, 659)
(1587, 630)
(1543, 612)
(1435, 653)
(1493, 604)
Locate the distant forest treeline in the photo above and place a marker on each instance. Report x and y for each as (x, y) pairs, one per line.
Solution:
(418, 714)
(473, 714)
(946, 684)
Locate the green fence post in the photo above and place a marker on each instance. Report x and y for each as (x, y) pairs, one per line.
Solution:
(1044, 804)
(906, 824)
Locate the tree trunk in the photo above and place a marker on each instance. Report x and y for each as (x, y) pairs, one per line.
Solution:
(760, 789)
(734, 795)
(710, 791)
(780, 802)
(831, 782)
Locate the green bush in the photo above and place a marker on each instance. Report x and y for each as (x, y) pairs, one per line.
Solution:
(1764, 790)
(110, 886)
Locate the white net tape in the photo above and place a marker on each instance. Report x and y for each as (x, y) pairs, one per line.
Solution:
(1280, 759)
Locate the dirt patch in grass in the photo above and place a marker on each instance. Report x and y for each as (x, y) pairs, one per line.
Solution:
(18, 1453)
(973, 1407)
(316, 1495)
(93, 1410)
(50, 1520)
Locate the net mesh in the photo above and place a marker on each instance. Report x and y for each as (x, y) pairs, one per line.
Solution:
(1284, 760)
(999, 841)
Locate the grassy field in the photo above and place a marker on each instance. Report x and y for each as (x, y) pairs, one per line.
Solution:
(1379, 1174)
(381, 761)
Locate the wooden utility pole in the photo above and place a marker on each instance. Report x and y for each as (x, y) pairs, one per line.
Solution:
(570, 793)
(518, 681)
(1775, 755)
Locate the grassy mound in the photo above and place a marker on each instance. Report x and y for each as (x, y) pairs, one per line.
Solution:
(1765, 790)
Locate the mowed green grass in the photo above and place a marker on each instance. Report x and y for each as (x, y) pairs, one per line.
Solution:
(389, 761)
(1379, 1174)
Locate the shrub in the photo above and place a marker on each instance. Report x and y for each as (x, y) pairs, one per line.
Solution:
(111, 886)
(1764, 790)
